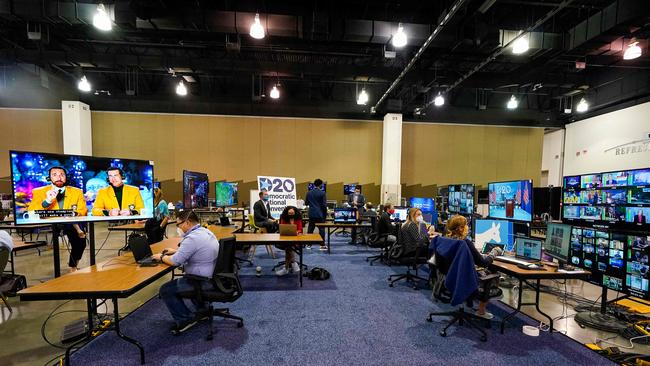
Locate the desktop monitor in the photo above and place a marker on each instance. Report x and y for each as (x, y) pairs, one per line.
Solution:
(79, 188)
(460, 198)
(511, 200)
(225, 193)
(195, 190)
(427, 205)
(494, 231)
(528, 248)
(558, 240)
(311, 187)
(349, 188)
(345, 215)
(400, 214)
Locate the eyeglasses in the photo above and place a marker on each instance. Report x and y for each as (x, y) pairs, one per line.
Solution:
(179, 223)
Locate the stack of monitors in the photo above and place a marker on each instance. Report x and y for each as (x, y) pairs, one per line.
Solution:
(460, 198)
(616, 261)
(225, 194)
(511, 200)
(616, 199)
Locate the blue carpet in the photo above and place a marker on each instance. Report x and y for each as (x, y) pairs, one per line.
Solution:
(352, 319)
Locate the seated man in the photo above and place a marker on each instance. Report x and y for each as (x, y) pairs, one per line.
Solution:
(262, 213)
(118, 199)
(197, 253)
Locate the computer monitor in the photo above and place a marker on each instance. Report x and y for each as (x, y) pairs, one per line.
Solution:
(494, 231)
(345, 215)
(226, 193)
(528, 248)
(311, 187)
(558, 239)
(349, 188)
(400, 214)
(511, 200)
(195, 190)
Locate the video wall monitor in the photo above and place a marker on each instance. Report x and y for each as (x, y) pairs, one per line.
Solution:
(349, 188)
(460, 198)
(494, 231)
(511, 200)
(56, 188)
(225, 194)
(558, 240)
(618, 200)
(195, 190)
(311, 187)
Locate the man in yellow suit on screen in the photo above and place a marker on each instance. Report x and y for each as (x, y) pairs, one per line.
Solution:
(58, 195)
(118, 199)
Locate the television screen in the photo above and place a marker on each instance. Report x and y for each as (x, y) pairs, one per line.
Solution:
(311, 186)
(639, 196)
(591, 181)
(349, 188)
(637, 215)
(494, 231)
(591, 213)
(55, 188)
(345, 215)
(511, 200)
(615, 179)
(571, 212)
(558, 239)
(460, 198)
(225, 194)
(614, 196)
(195, 190)
(400, 214)
(572, 182)
(639, 177)
(427, 205)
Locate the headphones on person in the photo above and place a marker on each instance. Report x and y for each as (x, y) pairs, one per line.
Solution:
(114, 168)
(49, 174)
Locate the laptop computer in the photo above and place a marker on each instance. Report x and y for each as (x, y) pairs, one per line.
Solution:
(345, 215)
(224, 221)
(288, 230)
(527, 251)
(142, 252)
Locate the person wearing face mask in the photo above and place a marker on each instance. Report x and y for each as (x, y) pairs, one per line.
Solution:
(197, 253)
(292, 216)
(385, 224)
(413, 233)
(118, 199)
(262, 213)
(457, 228)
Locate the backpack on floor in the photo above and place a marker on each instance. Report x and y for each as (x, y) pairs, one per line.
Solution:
(11, 284)
(318, 274)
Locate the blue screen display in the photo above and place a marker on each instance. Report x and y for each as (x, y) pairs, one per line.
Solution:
(511, 200)
(494, 231)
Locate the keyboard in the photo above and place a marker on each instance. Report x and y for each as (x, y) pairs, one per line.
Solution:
(504, 258)
(148, 262)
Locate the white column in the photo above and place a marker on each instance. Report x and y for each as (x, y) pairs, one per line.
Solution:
(77, 128)
(391, 159)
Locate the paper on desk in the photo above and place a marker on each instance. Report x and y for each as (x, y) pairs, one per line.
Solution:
(575, 271)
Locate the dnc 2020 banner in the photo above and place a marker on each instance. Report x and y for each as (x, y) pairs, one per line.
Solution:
(282, 192)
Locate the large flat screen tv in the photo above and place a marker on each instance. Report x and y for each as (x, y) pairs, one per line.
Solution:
(195, 190)
(226, 193)
(56, 188)
(511, 200)
(619, 200)
(460, 198)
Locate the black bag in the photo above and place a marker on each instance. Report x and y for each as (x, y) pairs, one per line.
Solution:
(11, 284)
(318, 274)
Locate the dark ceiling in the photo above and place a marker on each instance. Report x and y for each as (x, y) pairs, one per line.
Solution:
(322, 53)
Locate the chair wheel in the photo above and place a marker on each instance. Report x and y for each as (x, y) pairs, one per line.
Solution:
(483, 339)
(429, 319)
(443, 333)
(390, 285)
(240, 324)
(209, 338)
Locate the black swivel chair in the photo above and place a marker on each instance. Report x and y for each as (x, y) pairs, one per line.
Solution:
(4, 258)
(412, 261)
(460, 315)
(225, 285)
(380, 241)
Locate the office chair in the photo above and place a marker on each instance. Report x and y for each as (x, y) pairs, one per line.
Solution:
(225, 287)
(442, 266)
(411, 261)
(213, 229)
(4, 259)
(255, 228)
(377, 240)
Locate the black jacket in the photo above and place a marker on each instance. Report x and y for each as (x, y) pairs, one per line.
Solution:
(261, 212)
(384, 225)
(317, 202)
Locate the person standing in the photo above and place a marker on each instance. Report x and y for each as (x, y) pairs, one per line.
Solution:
(357, 201)
(317, 201)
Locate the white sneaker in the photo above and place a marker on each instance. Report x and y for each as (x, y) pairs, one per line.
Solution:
(295, 267)
(308, 246)
(487, 315)
(281, 272)
(323, 248)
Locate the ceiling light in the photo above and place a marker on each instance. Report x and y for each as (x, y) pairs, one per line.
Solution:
(633, 51)
(275, 92)
(520, 45)
(513, 103)
(181, 89)
(101, 20)
(362, 99)
(582, 106)
(399, 38)
(439, 100)
(84, 85)
(257, 31)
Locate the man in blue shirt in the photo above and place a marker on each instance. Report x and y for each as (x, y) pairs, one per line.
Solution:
(197, 253)
(317, 202)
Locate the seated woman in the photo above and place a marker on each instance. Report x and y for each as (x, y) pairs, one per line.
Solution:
(414, 234)
(457, 228)
(290, 215)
